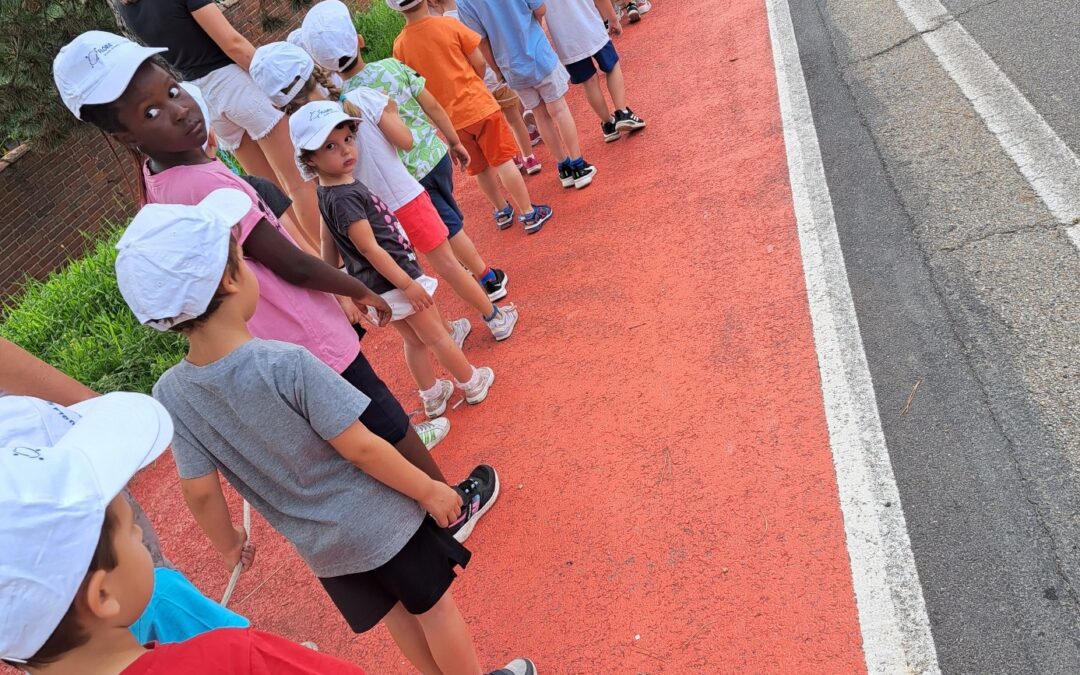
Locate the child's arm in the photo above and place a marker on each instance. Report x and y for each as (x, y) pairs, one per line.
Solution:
(364, 240)
(437, 114)
(381, 461)
(212, 20)
(266, 245)
(483, 58)
(607, 13)
(331, 256)
(393, 127)
(207, 503)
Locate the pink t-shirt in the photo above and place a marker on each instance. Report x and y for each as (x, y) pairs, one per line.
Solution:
(285, 312)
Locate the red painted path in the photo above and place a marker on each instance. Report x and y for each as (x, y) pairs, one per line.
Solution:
(669, 499)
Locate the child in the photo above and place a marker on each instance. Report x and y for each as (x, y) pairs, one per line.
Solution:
(519, 52)
(335, 46)
(283, 429)
(377, 253)
(114, 84)
(509, 101)
(577, 30)
(76, 573)
(279, 65)
(447, 55)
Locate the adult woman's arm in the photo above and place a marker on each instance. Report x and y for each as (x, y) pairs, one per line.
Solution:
(211, 19)
(22, 374)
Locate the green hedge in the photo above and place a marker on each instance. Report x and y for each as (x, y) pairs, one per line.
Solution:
(379, 25)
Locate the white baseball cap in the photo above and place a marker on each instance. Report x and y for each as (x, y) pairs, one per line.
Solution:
(96, 68)
(281, 70)
(403, 5)
(329, 35)
(196, 94)
(312, 123)
(171, 257)
(296, 39)
(59, 469)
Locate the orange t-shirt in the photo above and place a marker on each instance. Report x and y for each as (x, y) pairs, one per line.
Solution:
(438, 48)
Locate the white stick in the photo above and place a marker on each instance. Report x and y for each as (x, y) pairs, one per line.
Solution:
(239, 566)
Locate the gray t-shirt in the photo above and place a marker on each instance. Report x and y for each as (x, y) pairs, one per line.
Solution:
(261, 416)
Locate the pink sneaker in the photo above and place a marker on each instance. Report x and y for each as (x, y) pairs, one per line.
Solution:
(519, 163)
(532, 165)
(534, 135)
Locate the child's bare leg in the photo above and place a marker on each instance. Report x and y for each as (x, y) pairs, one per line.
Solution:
(517, 125)
(564, 121)
(489, 185)
(515, 185)
(466, 253)
(447, 266)
(417, 356)
(550, 133)
(409, 637)
(448, 638)
(616, 86)
(413, 449)
(428, 327)
(595, 96)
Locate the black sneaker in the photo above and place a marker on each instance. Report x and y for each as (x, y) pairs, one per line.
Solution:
(496, 289)
(611, 132)
(566, 175)
(583, 174)
(633, 12)
(478, 492)
(626, 120)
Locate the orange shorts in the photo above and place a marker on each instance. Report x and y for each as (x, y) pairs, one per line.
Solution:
(422, 223)
(489, 142)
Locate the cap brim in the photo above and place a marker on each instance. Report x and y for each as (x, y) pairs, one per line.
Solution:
(315, 141)
(112, 87)
(228, 204)
(119, 433)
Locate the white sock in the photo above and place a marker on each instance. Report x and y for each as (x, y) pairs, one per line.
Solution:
(473, 381)
(432, 394)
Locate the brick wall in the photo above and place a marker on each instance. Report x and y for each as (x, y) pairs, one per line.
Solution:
(48, 200)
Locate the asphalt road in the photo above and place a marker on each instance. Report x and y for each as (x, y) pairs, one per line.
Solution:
(966, 287)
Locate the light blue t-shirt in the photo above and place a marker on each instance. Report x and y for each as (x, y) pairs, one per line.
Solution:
(519, 44)
(178, 611)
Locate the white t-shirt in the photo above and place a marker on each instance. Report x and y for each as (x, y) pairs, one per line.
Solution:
(577, 29)
(378, 165)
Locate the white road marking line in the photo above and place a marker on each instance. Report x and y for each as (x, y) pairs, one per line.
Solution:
(892, 613)
(1051, 168)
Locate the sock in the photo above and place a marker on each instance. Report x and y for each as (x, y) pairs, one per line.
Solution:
(488, 275)
(433, 393)
(494, 313)
(565, 164)
(473, 381)
(577, 163)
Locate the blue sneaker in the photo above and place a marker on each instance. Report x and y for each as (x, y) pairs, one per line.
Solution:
(541, 213)
(504, 217)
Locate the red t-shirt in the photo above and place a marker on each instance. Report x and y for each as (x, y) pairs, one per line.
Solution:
(237, 651)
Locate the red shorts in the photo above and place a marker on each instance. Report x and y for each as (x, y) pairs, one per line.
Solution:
(489, 142)
(422, 223)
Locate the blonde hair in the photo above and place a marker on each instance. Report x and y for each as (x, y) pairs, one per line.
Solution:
(320, 79)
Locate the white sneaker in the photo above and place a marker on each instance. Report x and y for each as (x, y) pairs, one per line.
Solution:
(435, 407)
(502, 326)
(432, 433)
(460, 330)
(476, 394)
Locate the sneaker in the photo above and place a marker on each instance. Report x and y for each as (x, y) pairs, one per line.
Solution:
(478, 492)
(626, 120)
(516, 667)
(532, 165)
(519, 163)
(611, 132)
(432, 432)
(534, 135)
(435, 407)
(541, 213)
(502, 326)
(460, 330)
(583, 174)
(633, 12)
(504, 217)
(478, 392)
(643, 6)
(496, 289)
(619, 12)
(566, 175)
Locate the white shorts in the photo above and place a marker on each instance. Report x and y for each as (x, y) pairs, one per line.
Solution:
(551, 89)
(237, 106)
(400, 307)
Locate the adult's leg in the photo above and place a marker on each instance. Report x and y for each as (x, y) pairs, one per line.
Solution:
(466, 253)
(409, 637)
(595, 96)
(550, 133)
(278, 148)
(560, 114)
(448, 638)
(254, 162)
(515, 185)
(616, 86)
(446, 265)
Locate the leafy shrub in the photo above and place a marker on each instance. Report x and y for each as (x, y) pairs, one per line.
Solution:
(77, 321)
(379, 25)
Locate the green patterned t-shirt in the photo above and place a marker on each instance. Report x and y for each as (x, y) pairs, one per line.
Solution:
(403, 85)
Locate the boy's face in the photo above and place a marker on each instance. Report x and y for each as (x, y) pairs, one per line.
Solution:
(159, 116)
(131, 582)
(337, 156)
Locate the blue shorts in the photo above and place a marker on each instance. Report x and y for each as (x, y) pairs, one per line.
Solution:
(583, 70)
(439, 184)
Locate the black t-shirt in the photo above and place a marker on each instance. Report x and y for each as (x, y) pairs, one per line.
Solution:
(168, 23)
(343, 205)
(274, 197)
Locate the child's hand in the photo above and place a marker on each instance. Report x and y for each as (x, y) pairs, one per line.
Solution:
(615, 27)
(460, 155)
(443, 503)
(243, 553)
(353, 313)
(417, 296)
(382, 310)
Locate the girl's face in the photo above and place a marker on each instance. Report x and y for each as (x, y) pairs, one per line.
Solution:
(337, 156)
(157, 114)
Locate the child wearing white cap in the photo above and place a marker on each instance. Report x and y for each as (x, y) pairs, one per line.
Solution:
(282, 427)
(75, 572)
(377, 252)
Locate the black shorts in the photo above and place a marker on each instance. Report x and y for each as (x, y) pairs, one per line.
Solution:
(384, 416)
(417, 577)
